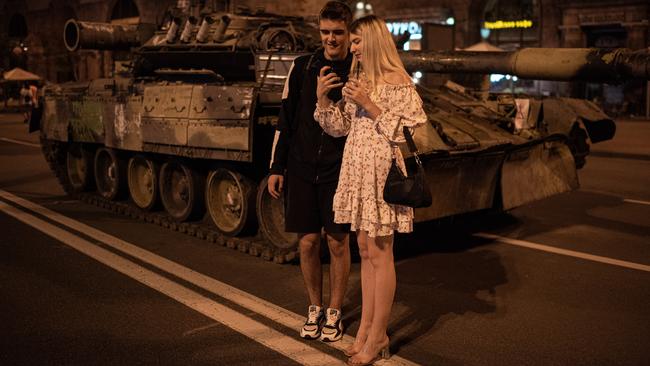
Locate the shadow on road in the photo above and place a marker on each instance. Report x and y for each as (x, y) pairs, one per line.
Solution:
(441, 270)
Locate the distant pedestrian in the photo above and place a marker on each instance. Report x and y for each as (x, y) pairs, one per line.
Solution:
(25, 95)
(26, 99)
(33, 92)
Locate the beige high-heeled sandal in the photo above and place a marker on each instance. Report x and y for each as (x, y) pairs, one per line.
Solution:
(348, 353)
(384, 353)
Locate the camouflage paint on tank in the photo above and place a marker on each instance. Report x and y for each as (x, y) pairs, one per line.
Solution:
(87, 119)
(125, 131)
(56, 112)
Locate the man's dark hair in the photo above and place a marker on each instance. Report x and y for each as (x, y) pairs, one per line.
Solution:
(336, 10)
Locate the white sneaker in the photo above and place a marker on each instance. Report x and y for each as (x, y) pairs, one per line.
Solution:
(333, 329)
(312, 327)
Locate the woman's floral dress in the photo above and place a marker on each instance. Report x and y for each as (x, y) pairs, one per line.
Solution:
(367, 157)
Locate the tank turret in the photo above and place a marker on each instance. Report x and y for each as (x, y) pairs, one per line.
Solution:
(561, 64)
(224, 43)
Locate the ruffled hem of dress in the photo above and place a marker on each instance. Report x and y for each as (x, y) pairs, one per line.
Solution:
(358, 206)
(390, 218)
(374, 229)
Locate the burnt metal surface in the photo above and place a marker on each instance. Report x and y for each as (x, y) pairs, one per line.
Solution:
(593, 64)
(536, 173)
(460, 184)
(99, 36)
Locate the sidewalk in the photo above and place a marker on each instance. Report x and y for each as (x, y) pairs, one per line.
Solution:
(632, 141)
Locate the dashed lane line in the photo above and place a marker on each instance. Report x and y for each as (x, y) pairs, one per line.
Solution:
(19, 142)
(256, 331)
(260, 306)
(570, 253)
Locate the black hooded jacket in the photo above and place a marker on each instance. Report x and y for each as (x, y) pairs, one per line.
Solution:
(302, 145)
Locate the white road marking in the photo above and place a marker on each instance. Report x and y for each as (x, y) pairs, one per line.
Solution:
(257, 331)
(260, 306)
(20, 142)
(636, 201)
(570, 253)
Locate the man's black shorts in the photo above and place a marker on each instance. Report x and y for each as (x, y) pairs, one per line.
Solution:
(308, 206)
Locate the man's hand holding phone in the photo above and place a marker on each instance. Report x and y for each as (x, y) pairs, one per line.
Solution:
(327, 80)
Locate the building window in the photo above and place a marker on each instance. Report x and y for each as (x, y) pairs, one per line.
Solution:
(17, 27)
(125, 9)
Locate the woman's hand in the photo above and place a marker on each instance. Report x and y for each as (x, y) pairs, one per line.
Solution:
(354, 91)
(325, 83)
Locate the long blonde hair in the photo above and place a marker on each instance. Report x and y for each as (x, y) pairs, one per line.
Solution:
(379, 53)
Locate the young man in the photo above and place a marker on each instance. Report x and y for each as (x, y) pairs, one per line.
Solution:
(306, 162)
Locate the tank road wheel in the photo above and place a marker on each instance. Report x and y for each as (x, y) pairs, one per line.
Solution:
(270, 215)
(180, 191)
(230, 199)
(110, 173)
(142, 176)
(79, 166)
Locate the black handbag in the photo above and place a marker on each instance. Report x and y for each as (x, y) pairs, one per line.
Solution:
(412, 191)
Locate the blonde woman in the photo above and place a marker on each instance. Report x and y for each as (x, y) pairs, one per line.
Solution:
(375, 107)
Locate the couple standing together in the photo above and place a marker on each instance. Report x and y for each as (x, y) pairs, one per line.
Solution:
(336, 140)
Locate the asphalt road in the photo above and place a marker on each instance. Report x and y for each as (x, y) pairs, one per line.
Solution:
(572, 289)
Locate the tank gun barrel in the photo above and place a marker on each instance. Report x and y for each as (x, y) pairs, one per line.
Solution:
(100, 36)
(588, 64)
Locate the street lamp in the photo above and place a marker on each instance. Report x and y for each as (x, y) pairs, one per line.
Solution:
(362, 8)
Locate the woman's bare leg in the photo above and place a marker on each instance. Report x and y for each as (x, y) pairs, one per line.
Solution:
(380, 253)
(367, 294)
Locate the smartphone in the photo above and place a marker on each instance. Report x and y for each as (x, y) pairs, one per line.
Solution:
(336, 93)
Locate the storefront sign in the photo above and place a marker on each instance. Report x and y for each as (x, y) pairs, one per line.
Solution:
(602, 18)
(508, 24)
(399, 28)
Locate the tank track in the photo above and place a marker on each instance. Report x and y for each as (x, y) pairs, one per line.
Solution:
(55, 155)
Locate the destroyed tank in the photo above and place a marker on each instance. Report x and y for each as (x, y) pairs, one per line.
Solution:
(184, 139)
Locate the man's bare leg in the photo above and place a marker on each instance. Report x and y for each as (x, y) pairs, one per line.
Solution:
(339, 246)
(311, 267)
(339, 271)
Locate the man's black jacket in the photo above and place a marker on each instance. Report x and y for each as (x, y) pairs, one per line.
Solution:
(302, 145)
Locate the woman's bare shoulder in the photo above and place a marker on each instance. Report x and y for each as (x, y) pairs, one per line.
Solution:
(396, 78)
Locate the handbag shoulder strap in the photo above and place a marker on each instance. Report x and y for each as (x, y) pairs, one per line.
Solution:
(411, 144)
(409, 140)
